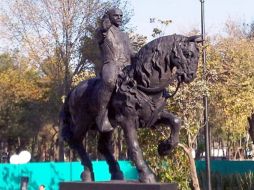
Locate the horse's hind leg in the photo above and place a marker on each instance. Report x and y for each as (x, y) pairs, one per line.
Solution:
(88, 174)
(169, 119)
(106, 149)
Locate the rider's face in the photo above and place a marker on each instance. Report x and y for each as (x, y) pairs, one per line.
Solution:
(115, 17)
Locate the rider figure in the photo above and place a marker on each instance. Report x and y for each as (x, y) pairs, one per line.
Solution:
(116, 54)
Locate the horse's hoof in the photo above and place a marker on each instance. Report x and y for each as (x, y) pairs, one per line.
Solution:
(165, 147)
(86, 176)
(117, 176)
(147, 178)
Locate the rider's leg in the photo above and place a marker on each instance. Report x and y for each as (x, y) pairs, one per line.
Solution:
(106, 88)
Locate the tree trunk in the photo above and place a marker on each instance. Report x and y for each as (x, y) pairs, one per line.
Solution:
(60, 146)
(251, 128)
(61, 150)
(193, 171)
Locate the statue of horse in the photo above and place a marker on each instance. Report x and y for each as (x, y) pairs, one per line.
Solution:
(138, 101)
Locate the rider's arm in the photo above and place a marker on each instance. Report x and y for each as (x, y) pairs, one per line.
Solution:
(105, 24)
(101, 32)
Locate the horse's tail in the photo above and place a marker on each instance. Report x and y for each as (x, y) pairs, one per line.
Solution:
(65, 121)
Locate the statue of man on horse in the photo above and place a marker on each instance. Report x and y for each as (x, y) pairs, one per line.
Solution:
(129, 94)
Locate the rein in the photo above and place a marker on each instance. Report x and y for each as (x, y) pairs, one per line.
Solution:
(174, 93)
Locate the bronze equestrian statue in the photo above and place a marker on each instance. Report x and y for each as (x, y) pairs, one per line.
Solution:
(136, 99)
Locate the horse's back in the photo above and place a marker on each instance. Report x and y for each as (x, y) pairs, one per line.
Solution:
(83, 95)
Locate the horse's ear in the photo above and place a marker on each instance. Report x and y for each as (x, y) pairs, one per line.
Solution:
(196, 38)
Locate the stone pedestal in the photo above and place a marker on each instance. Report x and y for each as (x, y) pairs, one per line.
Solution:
(116, 185)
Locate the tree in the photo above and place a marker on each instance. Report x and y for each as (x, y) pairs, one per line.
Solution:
(251, 126)
(55, 32)
(20, 91)
(43, 26)
(232, 95)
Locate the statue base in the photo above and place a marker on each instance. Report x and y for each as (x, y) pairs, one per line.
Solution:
(117, 185)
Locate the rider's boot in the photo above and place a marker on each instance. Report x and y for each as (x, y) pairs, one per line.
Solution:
(101, 119)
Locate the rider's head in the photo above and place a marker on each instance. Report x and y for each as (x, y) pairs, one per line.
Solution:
(115, 16)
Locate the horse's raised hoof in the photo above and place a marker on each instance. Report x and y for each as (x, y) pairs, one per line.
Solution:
(165, 147)
(117, 176)
(87, 176)
(147, 178)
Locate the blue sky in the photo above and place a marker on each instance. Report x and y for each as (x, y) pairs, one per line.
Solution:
(185, 14)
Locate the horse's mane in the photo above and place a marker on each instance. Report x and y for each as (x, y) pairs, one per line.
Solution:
(154, 57)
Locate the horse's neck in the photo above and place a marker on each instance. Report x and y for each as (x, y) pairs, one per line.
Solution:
(162, 80)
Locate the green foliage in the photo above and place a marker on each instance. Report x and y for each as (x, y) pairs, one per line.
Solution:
(228, 182)
(85, 75)
(230, 61)
(160, 29)
(6, 61)
(137, 41)
(172, 168)
(20, 94)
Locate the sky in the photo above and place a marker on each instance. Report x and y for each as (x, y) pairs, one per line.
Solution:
(185, 14)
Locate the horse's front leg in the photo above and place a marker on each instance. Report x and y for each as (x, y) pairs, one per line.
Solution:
(169, 119)
(145, 174)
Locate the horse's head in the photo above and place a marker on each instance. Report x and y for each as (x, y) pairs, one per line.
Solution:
(184, 57)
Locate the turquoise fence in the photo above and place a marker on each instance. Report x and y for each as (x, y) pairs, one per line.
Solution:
(226, 167)
(51, 173)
